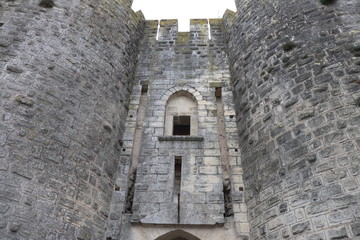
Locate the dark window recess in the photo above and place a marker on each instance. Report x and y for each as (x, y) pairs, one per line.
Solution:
(144, 88)
(181, 125)
(177, 177)
(218, 92)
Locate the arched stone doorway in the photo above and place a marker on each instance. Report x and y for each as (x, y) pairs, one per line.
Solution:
(177, 235)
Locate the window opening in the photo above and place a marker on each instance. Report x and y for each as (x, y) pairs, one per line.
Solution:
(181, 125)
(144, 88)
(218, 92)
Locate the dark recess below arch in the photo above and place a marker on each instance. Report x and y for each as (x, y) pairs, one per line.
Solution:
(177, 235)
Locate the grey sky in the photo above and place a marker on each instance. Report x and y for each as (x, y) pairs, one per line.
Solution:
(183, 9)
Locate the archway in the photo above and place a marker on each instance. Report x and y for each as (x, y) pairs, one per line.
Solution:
(177, 235)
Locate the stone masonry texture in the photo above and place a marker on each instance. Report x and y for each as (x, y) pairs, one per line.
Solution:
(74, 75)
(295, 82)
(65, 78)
(180, 62)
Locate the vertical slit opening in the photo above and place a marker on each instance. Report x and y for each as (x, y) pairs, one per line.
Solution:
(130, 193)
(177, 183)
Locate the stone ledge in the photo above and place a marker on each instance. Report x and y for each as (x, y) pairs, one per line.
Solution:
(181, 138)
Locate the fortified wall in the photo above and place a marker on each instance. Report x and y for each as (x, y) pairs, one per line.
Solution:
(295, 77)
(113, 127)
(66, 76)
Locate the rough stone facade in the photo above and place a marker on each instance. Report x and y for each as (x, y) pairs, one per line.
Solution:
(175, 63)
(86, 89)
(295, 83)
(65, 79)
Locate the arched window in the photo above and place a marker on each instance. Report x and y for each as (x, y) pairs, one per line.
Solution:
(181, 116)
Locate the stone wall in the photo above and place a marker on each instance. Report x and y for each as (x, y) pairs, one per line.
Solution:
(70, 137)
(176, 63)
(65, 77)
(295, 74)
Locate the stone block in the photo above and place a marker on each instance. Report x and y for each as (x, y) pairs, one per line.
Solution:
(208, 170)
(317, 207)
(317, 236)
(356, 229)
(275, 223)
(338, 233)
(301, 228)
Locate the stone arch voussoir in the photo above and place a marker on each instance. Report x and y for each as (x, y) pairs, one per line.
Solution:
(196, 94)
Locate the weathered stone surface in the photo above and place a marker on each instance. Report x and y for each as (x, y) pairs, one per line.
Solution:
(311, 108)
(65, 72)
(300, 228)
(338, 233)
(356, 229)
(183, 64)
(67, 121)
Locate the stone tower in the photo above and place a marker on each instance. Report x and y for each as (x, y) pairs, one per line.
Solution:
(180, 159)
(113, 127)
(295, 71)
(66, 75)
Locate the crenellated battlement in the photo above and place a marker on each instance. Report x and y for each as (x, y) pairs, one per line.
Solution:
(201, 30)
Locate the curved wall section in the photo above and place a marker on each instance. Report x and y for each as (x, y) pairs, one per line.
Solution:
(65, 77)
(295, 81)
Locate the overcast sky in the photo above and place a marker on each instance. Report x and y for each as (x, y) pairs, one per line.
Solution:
(183, 9)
